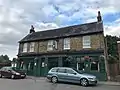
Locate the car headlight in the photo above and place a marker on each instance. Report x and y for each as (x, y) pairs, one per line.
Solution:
(17, 73)
(91, 79)
(49, 75)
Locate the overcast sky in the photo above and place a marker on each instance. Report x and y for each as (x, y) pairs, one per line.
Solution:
(16, 16)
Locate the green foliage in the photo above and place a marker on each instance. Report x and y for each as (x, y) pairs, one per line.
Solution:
(14, 60)
(112, 59)
(112, 48)
(4, 59)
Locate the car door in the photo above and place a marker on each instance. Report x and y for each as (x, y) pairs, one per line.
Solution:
(72, 76)
(8, 72)
(4, 72)
(62, 74)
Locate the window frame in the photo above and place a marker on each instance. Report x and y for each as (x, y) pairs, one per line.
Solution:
(86, 41)
(56, 44)
(54, 70)
(98, 67)
(3, 69)
(50, 45)
(25, 47)
(66, 43)
(32, 47)
(61, 69)
(70, 70)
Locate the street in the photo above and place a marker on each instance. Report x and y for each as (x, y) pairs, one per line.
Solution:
(42, 84)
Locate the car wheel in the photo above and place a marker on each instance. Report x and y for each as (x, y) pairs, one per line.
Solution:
(84, 82)
(0, 75)
(54, 80)
(23, 77)
(12, 76)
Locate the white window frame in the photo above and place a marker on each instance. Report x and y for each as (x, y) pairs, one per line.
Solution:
(25, 47)
(66, 43)
(50, 45)
(118, 41)
(56, 44)
(86, 42)
(32, 47)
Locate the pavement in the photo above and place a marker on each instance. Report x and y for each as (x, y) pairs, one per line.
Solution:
(109, 83)
(99, 82)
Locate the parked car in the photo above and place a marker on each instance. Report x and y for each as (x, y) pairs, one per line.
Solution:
(12, 73)
(66, 74)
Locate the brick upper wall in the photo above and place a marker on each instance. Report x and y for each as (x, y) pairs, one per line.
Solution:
(76, 43)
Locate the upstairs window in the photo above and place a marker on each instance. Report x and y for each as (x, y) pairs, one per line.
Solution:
(52, 44)
(32, 46)
(66, 43)
(86, 42)
(25, 47)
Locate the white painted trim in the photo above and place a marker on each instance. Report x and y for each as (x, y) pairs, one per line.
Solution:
(118, 41)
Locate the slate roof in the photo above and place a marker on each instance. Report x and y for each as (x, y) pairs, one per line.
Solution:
(88, 28)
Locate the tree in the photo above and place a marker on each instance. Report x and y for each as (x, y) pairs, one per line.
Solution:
(112, 48)
(4, 59)
(14, 60)
(1, 59)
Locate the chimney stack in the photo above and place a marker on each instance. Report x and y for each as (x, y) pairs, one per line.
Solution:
(32, 29)
(99, 18)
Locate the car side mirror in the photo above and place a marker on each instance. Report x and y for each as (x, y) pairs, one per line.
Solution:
(9, 70)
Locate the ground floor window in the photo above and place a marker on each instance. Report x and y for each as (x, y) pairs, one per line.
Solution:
(69, 62)
(31, 65)
(52, 62)
(81, 66)
(95, 66)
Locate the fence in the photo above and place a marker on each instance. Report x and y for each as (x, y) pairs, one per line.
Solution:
(114, 71)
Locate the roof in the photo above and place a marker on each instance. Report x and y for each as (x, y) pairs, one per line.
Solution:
(82, 29)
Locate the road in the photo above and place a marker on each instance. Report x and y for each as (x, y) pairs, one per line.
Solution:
(31, 84)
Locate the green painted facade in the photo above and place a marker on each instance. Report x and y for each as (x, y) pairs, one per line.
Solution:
(39, 65)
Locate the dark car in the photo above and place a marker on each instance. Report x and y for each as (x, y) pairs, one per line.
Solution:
(12, 73)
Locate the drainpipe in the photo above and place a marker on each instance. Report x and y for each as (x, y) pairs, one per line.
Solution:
(106, 58)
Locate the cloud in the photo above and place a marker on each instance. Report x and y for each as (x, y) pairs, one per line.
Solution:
(9, 50)
(112, 28)
(46, 26)
(16, 17)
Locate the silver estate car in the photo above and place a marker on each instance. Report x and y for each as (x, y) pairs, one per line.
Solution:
(66, 74)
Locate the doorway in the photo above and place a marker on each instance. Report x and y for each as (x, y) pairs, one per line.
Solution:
(42, 67)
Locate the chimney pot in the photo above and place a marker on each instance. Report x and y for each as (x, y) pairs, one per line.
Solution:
(99, 18)
(32, 29)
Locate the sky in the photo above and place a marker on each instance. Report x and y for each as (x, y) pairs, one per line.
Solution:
(16, 17)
